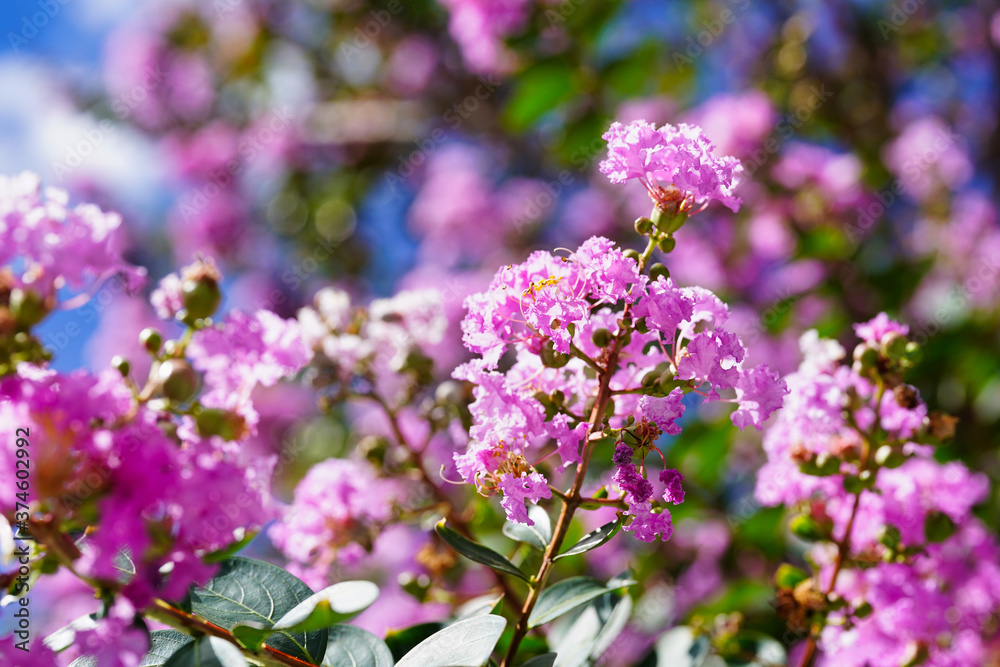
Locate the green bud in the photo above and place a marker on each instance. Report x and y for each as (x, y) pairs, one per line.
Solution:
(225, 424)
(913, 352)
(789, 576)
(151, 339)
(657, 270)
(666, 243)
(201, 296)
(806, 527)
(938, 527)
(551, 358)
(172, 348)
(889, 457)
(27, 307)
(640, 325)
(865, 359)
(601, 337)
(889, 536)
(557, 398)
(650, 379)
(178, 380)
(862, 610)
(121, 364)
(643, 225)
(632, 253)
(667, 222)
(894, 345)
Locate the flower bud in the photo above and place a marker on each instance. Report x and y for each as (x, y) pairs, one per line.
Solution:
(27, 307)
(806, 527)
(632, 254)
(551, 358)
(889, 536)
(650, 379)
(178, 380)
(666, 243)
(668, 221)
(643, 225)
(889, 456)
(657, 270)
(865, 359)
(223, 423)
(893, 345)
(201, 295)
(789, 576)
(151, 339)
(121, 364)
(601, 337)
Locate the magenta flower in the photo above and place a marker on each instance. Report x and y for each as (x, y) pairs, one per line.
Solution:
(663, 411)
(516, 490)
(679, 156)
(674, 492)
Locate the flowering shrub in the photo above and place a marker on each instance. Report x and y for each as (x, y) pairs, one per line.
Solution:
(418, 344)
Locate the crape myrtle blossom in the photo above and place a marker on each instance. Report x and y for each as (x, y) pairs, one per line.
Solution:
(381, 344)
(55, 245)
(559, 316)
(932, 576)
(674, 163)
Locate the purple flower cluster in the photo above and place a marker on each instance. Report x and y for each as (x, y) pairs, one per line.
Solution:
(479, 27)
(58, 245)
(938, 598)
(679, 156)
(339, 506)
(556, 316)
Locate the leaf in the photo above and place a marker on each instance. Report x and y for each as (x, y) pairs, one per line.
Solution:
(353, 647)
(480, 606)
(207, 652)
(544, 660)
(477, 552)
(401, 642)
(593, 539)
(538, 535)
(766, 651)
(537, 91)
(226, 552)
(679, 647)
(334, 604)
(565, 596)
(593, 630)
(64, 637)
(162, 645)
(466, 643)
(252, 591)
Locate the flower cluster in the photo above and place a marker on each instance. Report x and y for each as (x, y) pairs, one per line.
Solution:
(680, 158)
(916, 572)
(382, 345)
(568, 321)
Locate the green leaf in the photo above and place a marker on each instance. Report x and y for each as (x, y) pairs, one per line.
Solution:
(252, 591)
(334, 604)
(401, 642)
(353, 647)
(544, 660)
(63, 638)
(480, 606)
(593, 539)
(565, 596)
(207, 652)
(591, 631)
(162, 645)
(538, 535)
(477, 552)
(537, 91)
(466, 643)
(758, 650)
(227, 552)
(679, 647)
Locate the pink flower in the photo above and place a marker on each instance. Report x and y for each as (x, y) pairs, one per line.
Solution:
(663, 411)
(876, 328)
(759, 392)
(680, 156)
(674, 492)
(646, 525)
(516, 490)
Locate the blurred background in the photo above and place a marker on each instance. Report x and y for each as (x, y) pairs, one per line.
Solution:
(417, 143)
